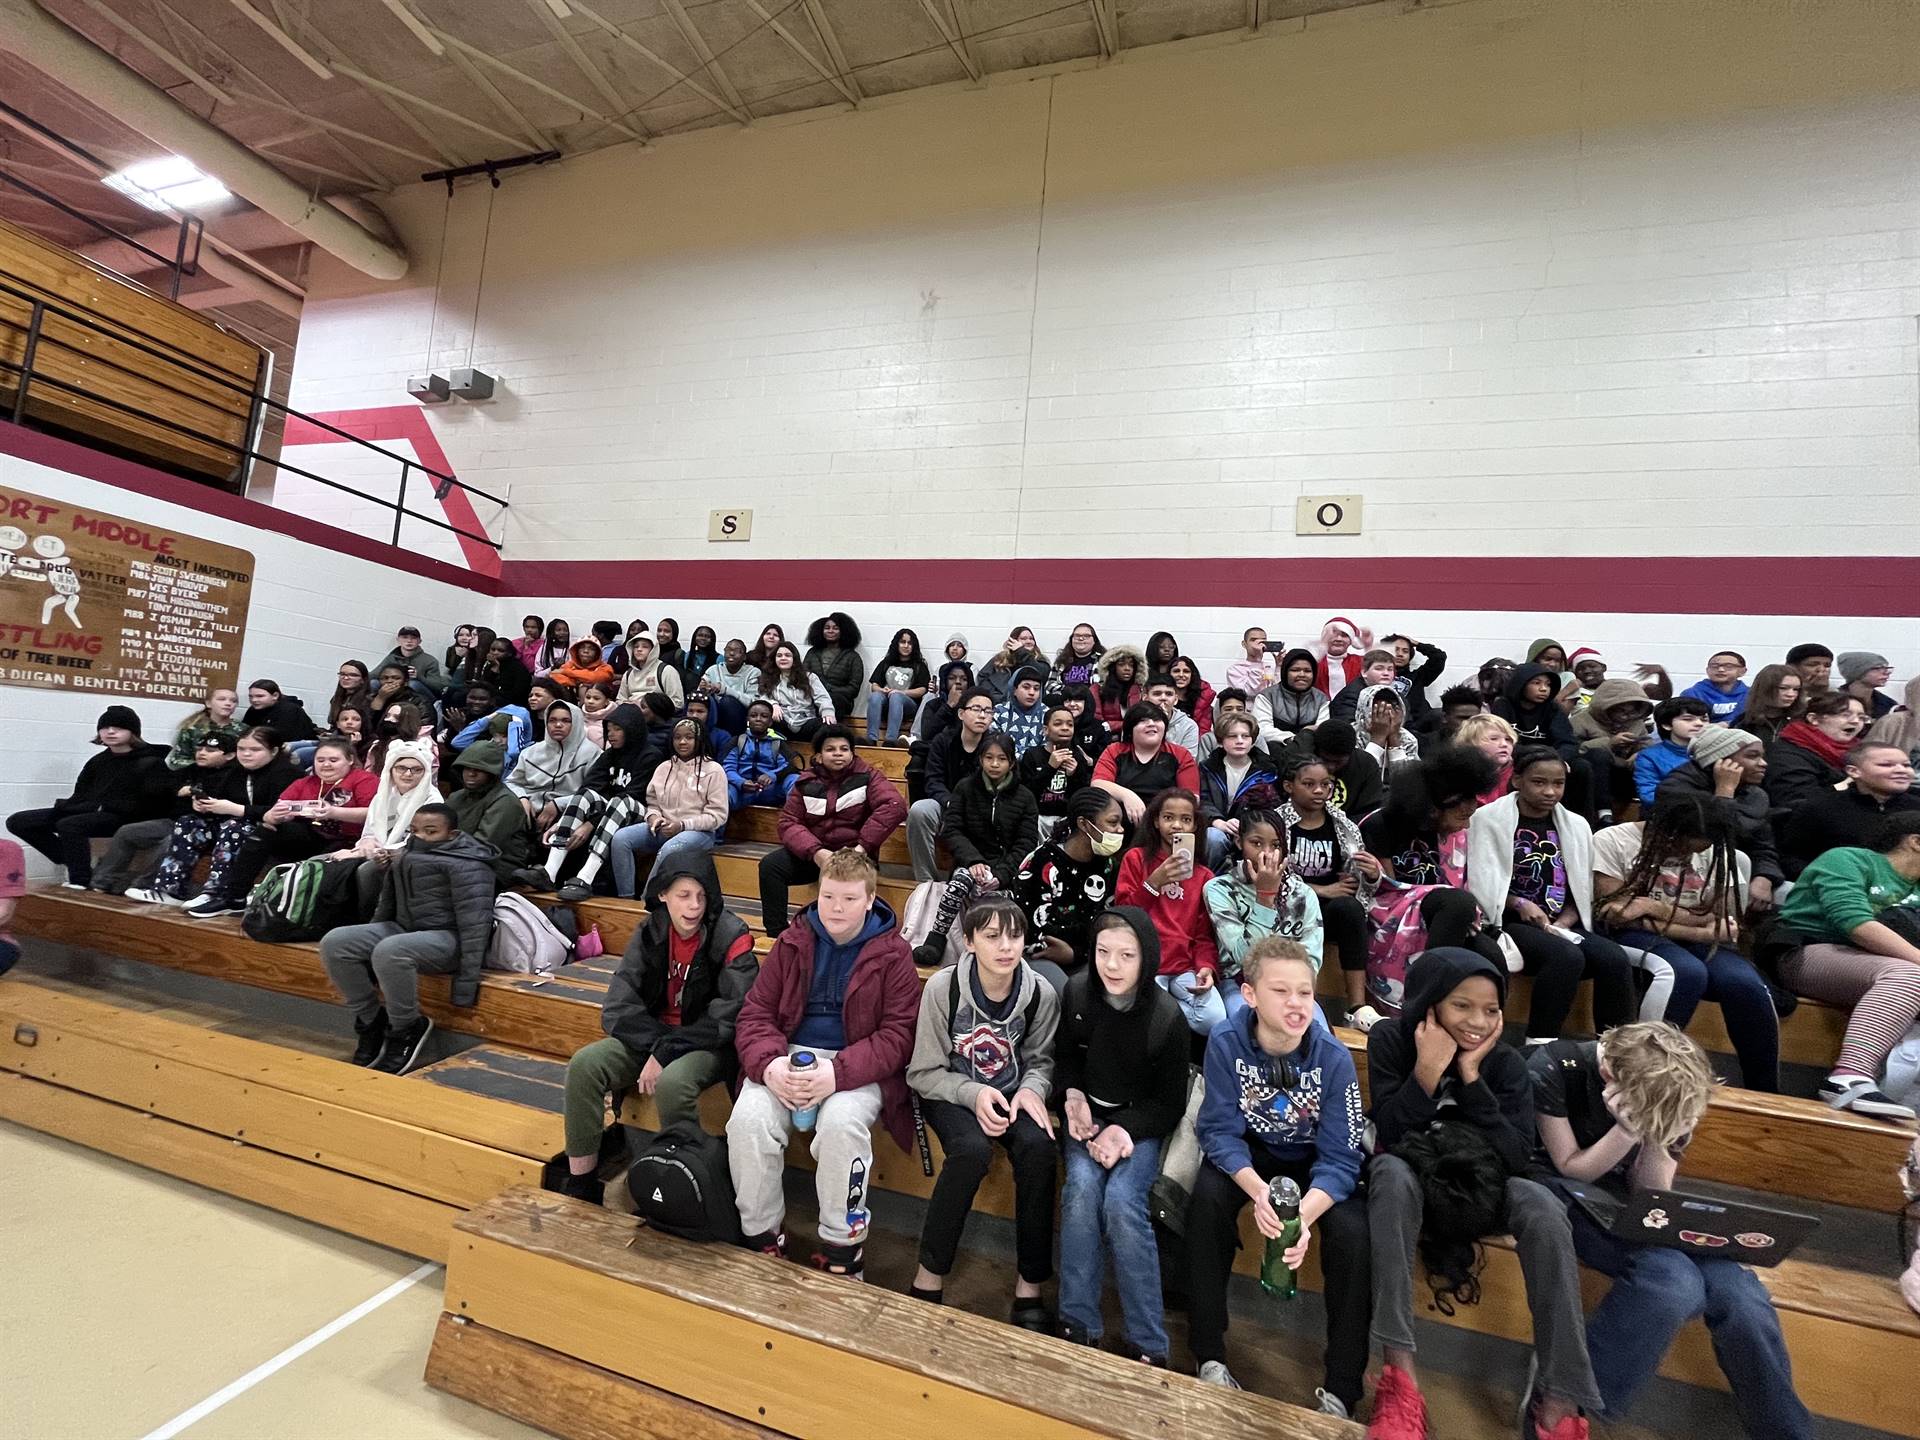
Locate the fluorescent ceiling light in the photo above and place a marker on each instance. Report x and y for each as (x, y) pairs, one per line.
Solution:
(169, 183)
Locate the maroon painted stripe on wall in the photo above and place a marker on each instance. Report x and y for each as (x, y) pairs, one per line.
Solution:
(1878, 586)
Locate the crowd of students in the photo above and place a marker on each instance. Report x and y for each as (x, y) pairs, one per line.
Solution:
(1137, 857)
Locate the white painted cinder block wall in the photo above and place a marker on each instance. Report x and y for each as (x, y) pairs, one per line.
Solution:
(1588, 278)
(311, 607)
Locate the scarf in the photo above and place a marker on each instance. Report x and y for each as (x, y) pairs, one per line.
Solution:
(1812, 738)
(1350, 842)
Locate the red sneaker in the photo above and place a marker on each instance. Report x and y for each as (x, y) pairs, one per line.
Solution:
(1399, 1411)
(1574, 1427)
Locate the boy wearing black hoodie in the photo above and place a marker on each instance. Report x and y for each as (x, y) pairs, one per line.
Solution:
(668, 1014)
(1120, 1061)
(613, 796)
(112, 789)
(1440, 1063)
(436, 915)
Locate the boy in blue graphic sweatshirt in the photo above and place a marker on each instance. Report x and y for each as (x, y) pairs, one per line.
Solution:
(1678, 721)
(1282, 1099)
(1723, 692)
(759, 769)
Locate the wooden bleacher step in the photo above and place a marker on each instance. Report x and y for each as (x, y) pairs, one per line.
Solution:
(773, 1343)
(1780, 1144)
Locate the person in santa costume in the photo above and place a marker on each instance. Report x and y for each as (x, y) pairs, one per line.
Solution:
(1343, 655)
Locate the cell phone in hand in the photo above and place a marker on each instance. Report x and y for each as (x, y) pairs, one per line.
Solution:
(1183, 845)
(1275, 647)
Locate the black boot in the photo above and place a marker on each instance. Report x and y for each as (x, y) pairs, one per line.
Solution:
(372, 1036)
(403, 1048)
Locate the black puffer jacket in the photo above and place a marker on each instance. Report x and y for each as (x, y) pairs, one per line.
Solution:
(1795, 775)
(724, 969)
(997, 828)
(448, 886)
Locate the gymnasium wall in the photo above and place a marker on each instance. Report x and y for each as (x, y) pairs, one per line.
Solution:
(318, 597)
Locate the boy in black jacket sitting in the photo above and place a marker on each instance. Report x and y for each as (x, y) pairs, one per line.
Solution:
(435, 914)
(1120, 1059)
(991, 824)
(668, 1014)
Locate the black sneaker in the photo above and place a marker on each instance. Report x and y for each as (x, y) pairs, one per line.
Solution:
(372, 1038)
(209, 907)
(1032, 1314)
(1077, 1335)
(846, 1261)
(533, 877)
(773, 1244)
(403, 1048)
(590, 1188)
(1863, 1097)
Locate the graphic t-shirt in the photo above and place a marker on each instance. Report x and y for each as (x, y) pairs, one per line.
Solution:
(1315, 854)
(1617, 848)
(1062, 896)
(680, 953)
(1539, 874)
(899, 677)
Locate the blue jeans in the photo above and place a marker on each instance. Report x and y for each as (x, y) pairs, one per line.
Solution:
(896, 709)
(636, 840)
(1104, 1212)
(1204, 1009)
(1216, 843)
(775, 794)
(1729, 978)
(1655, 1292)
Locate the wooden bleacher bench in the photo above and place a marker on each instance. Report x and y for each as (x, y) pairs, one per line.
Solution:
(1764, 1142)
(776, 1344)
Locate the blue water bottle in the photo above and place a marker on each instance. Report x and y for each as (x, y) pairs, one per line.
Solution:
(802, 1061)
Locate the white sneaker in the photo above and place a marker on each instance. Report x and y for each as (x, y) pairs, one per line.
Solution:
(1331, 1405)
(1363, 1020)
(151, 897)
(1863, 1097)
(1215, 1372)
(69, 885)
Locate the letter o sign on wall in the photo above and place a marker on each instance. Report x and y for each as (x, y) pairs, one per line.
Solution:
(1326, 515)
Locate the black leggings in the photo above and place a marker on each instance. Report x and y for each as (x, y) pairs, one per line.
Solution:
(1343, 923)
(1452, 918)
(1559, 965)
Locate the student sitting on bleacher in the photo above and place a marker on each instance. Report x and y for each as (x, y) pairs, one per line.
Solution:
(991, 825)
(840, 985)
(1357, 787)
(1849, 934)
(232, 801)
(1376, 668)
(1879, 783)
(484, 808)
(1120, 1062)
(282, 714)
(1814, 664)
(700, 709)
(315, 815)
(1449, 1102)
(1021, 717)
(1617, 1114)
(111, 790)
(1724, 692)
(1160, 875)
(836, 803)
(1055, 769)
(1612, 729)
(1291, 704)
(1529, 702)
(1677, 721)
(1065, 883)
(1810, 754)
(833, 654)
(951, 757)
(1078, 662)
(647, 674)
(1019, 652)
(759, 769)
(502, 669)
(420, 665)
(612, 794)
(1256, 669)
(1164, 695)
(686, 809)
(1863, 672)
(733, 675)
(1258, 898)
(1196, 695)
(1143, 762)
(1379, 720)
(1226, 704)
(141, 843)
(1227, 777)
(406, 784)
(435, 914)
(1122, 668)
(982, 1066)
(584, 667)
(1530, 863)
(895, 689)
(1282, 1098)
(219, 716)
(1324, 848)
(1674, 886)
(669, 1014)
(801, 702)
(1725, 769)
(553, 767)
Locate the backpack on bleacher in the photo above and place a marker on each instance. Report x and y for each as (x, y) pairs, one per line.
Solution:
(525, 941)
(681, 1185)
(301, 901)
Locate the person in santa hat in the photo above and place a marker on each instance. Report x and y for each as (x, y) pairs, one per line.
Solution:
(1589, 669)
(1343, 656)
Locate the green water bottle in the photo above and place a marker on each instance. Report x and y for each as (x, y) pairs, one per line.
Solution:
(1276, 1276)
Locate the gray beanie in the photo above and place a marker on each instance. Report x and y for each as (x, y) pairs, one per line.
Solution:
(1717, 743)
(1855, 663)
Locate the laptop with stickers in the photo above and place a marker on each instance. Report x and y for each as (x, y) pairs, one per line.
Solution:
(1697, 1224)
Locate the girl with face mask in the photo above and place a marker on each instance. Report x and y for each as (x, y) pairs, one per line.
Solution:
(1069, 880)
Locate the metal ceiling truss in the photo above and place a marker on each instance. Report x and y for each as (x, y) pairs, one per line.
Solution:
(622, 38)
(772, 21)
(708, 60)
(949, 29)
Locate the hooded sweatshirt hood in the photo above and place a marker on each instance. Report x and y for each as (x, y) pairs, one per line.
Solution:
(670, 868)
(1149, 938)
(632, 721)
(1515, 692)
(1116, 653)
(489, 755)
(552, 760)
(1436, 974)
(1298, 652)
(1363, 707)
(390, 815)
(1610, 693)
(1533, 650)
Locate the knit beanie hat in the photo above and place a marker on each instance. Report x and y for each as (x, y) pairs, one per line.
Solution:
(1717, 743)
(1855, 663)
(121, 717)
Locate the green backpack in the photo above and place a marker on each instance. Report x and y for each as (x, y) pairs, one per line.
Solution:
(301, 901)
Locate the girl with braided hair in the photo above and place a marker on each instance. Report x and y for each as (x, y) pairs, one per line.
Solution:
(1674, 887)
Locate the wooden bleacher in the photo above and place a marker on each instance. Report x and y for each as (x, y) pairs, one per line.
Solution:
(775, 1344)
(181, 385)
(1764, 1142)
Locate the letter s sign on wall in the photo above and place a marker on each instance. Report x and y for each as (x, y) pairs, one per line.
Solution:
(729, 525)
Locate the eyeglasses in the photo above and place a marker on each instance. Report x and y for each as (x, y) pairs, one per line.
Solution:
(976, 709)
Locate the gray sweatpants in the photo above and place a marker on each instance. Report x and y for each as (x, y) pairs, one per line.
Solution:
(1543, 1236)
(134, 853)
(367, 962)
(923, 838)
(757, 1136)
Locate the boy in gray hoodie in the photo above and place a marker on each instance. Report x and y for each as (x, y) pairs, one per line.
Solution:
(981, 1069)
(435, 914)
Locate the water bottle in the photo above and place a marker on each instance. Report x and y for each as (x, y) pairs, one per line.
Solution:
(801, 1062)
(1276, 1276)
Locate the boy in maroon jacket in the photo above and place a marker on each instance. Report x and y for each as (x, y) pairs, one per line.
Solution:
(836, 802)
(840, 986)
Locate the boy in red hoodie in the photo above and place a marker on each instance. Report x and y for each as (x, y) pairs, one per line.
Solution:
(838, 988)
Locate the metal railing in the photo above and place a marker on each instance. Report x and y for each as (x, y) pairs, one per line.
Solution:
(178, 364)
(184, 261)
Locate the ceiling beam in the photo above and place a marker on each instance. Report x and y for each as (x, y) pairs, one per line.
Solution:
(355, 73)
(708, 60)
(583, 62)
(950, 32)
(416, 27)
(475, 76)
(285, 41)
(816, 12)
(620, 37)
(793, 43)
(571, 101)
(159, 52)
(1103, 29)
